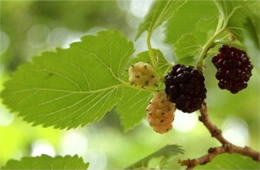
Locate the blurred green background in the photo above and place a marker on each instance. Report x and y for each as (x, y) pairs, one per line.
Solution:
(28, 28)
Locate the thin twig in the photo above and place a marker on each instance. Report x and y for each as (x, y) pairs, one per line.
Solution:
(226, 147)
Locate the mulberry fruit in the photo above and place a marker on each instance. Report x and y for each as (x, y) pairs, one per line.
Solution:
(142, 74)
(185, 87)
(233, 68)
(160, 113)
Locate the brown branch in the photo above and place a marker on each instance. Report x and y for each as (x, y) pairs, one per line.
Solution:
(213, 130)
(226, 147)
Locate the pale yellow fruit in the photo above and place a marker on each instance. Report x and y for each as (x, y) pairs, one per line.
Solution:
(160, 113)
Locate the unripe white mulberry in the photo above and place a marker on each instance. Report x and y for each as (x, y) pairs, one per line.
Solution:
(160, 113)
(142, 74)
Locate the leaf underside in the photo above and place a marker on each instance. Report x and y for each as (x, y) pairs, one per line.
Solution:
(165, 152)
(231, 161)
(71, 87)
(47, 162)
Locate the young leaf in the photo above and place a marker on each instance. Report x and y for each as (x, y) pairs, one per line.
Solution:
(190, 60)
(243, 23)
(165, 152)
(158, 13)
(47, 162)
(186, 46)
(71, 87)
(231, 161)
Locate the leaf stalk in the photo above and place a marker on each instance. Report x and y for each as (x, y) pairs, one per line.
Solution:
(152, 55)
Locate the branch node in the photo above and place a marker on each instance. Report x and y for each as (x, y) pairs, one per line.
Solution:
(211, 150)
(216, 132)
(201, 118)
(228, 147)
(246, 148)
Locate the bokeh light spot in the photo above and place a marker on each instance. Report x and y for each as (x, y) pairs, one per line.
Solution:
(40, 147)
(6, 118)
(184, 122)
(4, 42)
(235, 130)
(96, 159)
(140, 8)
(38, 36)
(74, 143)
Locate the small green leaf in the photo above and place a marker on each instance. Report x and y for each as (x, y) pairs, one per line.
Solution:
(231, 161)
(47, 162)
(206, 24)
(165, 152)
(205, 28)
(186, 46)
(244, 24)
(71, 87)
(189, 61)
(159, 12)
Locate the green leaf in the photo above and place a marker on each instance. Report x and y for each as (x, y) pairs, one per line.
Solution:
(189, 61)
(252, 42)
(205, 28)
(47, 162)
(132, 106)
(185, 20)
(159, 12)
(165, 152)
(71, 87)
(187, 46)
(207, 24)
(244, 24)
(231, 161)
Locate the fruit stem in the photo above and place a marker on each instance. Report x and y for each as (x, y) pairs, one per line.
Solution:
(152, 55)
(210, 43)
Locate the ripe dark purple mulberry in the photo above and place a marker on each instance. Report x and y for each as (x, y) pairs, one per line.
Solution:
(185, 87)
(233, 68)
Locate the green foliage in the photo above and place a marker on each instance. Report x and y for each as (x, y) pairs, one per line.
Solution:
(159, 12)
(187, 46)
(47, 162)
(71, 87)
(231, 161)
(52, 14)
(187, 18)
(243, 22)
(190, 28)
(76, 86)
(132, 107)
(165, 153)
